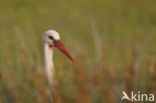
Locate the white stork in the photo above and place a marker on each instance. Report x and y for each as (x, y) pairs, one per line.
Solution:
(51, 39)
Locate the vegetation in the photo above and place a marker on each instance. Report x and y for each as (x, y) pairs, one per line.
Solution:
(112, 41)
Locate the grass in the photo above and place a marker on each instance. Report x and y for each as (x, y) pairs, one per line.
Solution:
(125, 59)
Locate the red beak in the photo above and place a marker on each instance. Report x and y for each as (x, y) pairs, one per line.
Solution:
(58, 44)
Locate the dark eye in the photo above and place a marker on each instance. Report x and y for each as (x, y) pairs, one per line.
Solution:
(50, 37)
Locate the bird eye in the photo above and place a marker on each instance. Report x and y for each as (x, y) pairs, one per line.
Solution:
(50, 37)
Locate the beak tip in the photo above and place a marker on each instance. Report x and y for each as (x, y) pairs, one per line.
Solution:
(73, 61)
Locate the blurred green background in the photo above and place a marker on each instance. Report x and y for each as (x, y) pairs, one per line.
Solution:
(112, 41)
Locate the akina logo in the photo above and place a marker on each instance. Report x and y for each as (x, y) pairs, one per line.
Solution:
(137, 96)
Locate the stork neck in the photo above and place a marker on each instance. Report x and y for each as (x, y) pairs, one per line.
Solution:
(49, 66)
(48, 55)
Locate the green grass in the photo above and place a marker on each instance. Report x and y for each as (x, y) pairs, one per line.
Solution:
(126, 29)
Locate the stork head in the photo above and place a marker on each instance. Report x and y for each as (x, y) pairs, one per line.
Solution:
(52, 38)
